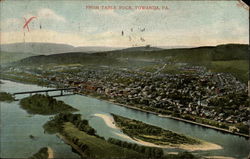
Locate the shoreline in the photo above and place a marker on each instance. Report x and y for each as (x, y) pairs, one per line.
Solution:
(109, 121)
(204, 146)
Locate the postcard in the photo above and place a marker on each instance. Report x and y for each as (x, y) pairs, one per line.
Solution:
(124, 79)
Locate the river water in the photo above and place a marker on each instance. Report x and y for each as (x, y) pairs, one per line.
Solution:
(17, 126)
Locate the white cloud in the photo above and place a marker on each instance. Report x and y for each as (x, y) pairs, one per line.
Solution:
(46, 13)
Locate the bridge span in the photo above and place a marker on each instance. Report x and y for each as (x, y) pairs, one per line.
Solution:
(46, 91)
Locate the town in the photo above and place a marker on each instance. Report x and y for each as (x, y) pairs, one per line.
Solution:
(194, 93)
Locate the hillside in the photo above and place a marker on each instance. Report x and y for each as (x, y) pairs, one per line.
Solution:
(68, 58)
(51, 48)
(197, 55)
(36, 48)
(232, 58)
(207, 53)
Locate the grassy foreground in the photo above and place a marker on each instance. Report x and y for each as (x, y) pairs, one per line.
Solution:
(150, 133)
(97, 147)
(81, 137)
(45, 105)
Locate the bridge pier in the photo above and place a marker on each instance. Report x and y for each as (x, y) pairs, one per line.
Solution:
(61, 92)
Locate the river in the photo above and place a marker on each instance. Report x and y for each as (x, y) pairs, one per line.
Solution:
(17, 126)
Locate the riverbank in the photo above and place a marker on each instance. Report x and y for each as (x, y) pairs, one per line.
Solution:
(204, 146)
(170, 117)
(204, 125)
(108, 120)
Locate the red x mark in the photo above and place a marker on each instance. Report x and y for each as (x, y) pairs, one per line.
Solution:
(27, 22)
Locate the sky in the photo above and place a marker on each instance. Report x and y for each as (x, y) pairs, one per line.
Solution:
(176, 23)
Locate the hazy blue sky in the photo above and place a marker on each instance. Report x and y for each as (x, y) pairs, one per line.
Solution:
(191, 23)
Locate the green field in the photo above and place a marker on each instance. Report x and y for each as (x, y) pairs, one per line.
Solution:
(98, 148)
(239, 68)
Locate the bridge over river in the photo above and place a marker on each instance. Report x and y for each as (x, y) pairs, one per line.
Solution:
(61, 90)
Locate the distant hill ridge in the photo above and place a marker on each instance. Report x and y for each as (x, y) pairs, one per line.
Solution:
(54, 48)
(198, 54)
(142, 48)
(51, 48)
